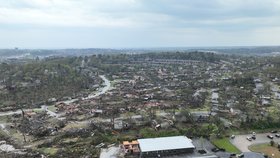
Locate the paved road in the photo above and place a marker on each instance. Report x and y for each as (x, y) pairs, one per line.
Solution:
(7, 113)
(107, 84)
(52, 114)
(242, 143)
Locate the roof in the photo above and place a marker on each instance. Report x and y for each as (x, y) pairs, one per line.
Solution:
(134, 142)
(165, 143)
(215, 95)
(125, 143)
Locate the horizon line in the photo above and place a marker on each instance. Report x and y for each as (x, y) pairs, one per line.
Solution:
(138, 48)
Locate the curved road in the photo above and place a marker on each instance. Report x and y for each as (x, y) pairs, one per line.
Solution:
(107, 84)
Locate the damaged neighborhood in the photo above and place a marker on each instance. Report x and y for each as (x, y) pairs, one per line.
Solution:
(168, 104)
(139, 79)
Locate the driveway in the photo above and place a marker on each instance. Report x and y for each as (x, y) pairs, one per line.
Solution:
(242, 143)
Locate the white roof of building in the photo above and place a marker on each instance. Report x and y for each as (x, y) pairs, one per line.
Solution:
(165, 143)
(215, 95)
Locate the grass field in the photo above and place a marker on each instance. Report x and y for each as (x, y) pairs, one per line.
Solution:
(49, 151)
(266, 149)
(226, 144)
(3, 119)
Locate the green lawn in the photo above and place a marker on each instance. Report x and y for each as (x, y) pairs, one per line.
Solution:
(49, 151)
(52, 108)
(226, 144)
(266, 149)
(3, 119)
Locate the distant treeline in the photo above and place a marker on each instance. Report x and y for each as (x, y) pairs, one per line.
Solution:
(198, 56)
(251, 51)
(126, 58)
(265, 50)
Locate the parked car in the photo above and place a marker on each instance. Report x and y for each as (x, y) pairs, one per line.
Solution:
(215, 149)
(277, 135)
(270, 136)
(232, 154)
(222, 149)
(254, 137)
(274, 131)
(254, 133)
(240, 155)
(232, 136)
(249, 138)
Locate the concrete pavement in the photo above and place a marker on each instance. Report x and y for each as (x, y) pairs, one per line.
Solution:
(242, 143)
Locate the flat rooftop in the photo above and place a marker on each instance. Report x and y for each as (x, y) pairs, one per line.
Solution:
(165, 143)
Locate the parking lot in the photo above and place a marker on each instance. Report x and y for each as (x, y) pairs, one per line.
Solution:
(241, 142)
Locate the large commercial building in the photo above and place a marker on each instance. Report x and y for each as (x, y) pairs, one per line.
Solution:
(165, 146)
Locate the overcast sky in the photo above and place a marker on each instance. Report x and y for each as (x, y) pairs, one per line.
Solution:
(138, 23)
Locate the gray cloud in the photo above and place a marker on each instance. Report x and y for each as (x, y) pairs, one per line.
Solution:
(139, 22)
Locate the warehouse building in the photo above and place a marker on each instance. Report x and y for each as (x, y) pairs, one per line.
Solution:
(165, 146)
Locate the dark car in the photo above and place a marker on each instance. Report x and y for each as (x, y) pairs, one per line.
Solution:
(222, 149)
(270, 136)
(274, 131)
(253, 137)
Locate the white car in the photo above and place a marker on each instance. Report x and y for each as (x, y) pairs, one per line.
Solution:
(270, 136)
(249, 138)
